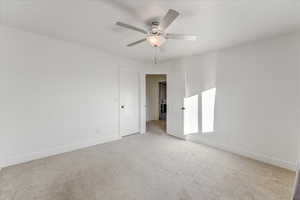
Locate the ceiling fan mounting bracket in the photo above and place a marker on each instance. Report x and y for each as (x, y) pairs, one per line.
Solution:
(155, 23)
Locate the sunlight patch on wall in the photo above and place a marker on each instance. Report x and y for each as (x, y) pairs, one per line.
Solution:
(208, 110)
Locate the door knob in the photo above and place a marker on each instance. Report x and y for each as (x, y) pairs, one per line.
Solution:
(122, 106)
(182, 108)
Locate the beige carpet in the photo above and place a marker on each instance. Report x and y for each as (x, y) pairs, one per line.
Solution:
(146, 167)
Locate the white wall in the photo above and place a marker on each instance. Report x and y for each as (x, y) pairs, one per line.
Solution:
(55, 96)
(258, 98)
(152, 96)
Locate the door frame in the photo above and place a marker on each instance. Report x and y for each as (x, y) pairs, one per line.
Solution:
(143, 97)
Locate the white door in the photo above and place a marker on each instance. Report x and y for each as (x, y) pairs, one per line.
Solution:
(175, 102)
(191, 115)
(129, 102)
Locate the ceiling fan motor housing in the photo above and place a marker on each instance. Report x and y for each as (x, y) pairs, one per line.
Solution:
(154, 28)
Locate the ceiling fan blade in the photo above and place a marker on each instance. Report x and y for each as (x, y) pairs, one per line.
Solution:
(131, 27)
(137, 42)
(180, 36)
(168, 19)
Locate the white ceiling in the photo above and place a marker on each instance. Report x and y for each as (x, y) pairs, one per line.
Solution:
(218, 23)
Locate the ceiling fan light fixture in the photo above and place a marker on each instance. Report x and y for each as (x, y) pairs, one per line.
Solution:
(156, 40)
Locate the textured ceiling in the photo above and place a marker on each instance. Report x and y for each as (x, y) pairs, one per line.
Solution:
(218, 23)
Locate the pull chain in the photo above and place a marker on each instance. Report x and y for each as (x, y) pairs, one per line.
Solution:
(155, 55)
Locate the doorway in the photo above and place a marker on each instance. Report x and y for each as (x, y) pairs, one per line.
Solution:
(156, 103)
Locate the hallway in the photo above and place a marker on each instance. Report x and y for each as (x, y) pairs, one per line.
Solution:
(157, 127)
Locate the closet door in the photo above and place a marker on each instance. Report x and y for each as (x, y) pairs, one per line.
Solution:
(129, 102)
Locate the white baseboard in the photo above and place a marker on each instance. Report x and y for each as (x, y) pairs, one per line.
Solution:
(178, 137)
(296, 182)
(259, 157)
(18, 159)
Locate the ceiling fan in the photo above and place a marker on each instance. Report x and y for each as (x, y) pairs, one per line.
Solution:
(157, 35)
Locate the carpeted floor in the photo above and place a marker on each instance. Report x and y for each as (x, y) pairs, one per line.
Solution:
(152, 166)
